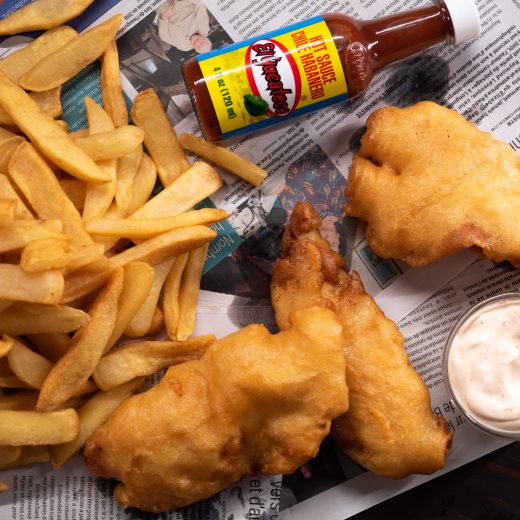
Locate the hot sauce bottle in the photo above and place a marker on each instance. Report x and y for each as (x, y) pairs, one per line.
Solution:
(300, 68)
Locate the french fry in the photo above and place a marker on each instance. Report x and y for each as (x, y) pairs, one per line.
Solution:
(153, 251)
(224, 158)
(29, 455)
(52, 345)
(7, 148)
(142, 320)
(42, 14)
(16, 284)
(157, 323)
(21, 232)
(12, 382)
(146, 228)
(25, 428)
(4, 304)
(25, 400)
(111, 92)
(171, 295)
(160, 139)
(19, 62)
(64, 63)
(42, 130)
(144, 358)
(6, 344)
(7, 211)
(189, 292)
(9, 454)
(75, 191)
(85, 350)
(44, 254)
(193, 186)
(88, 259)
(98, 197)
(28, 366)
(49, 101)
(23, 318)
(4, 486)
(93, 414)
(112, 144)
(127, 168)
(138, 280)
(7, 191)
(144, 182)
(39, 185)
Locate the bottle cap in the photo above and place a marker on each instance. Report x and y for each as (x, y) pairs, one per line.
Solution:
(465, 19)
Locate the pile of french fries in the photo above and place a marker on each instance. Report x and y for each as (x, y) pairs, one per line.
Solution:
(88, 258)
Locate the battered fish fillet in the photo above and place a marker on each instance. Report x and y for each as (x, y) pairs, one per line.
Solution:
(430, 184)
(389, 427)
(255, 403)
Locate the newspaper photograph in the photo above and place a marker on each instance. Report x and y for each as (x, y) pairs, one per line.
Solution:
(306, 159)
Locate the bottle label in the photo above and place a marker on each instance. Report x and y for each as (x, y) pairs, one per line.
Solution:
(279, 75)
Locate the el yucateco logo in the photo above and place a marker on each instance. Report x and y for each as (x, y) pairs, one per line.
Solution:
(273, 75)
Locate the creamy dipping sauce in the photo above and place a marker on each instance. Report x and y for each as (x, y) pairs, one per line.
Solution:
(483, 365)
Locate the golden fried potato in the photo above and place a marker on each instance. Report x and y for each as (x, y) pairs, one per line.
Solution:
(430, 184)
(389, 427)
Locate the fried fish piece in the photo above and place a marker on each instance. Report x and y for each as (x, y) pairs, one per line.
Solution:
(389, 427)
(255, 403)
(430, 184)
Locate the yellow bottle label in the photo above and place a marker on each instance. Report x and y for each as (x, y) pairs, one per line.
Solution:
(281, 74)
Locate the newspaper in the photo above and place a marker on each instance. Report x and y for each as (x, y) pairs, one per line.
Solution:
(307, 159)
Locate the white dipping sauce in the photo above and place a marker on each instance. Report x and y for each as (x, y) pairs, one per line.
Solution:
(484, 365)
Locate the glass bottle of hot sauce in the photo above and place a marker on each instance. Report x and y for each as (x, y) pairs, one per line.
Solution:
(327, 59)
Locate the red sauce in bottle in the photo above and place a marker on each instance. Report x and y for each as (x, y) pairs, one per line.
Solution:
(303, 67)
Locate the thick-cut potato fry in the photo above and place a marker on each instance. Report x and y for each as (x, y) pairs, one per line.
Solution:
(160, 139)
(224, 158)
(23, 428)
(52, 345)
(142, 320)
(45, 254)
(22, 232)
(25, 400)
(146, 228)
(47, 135)
(7, 191)
(111, 91)
(157, 323)
(111, 145)
(86, 348)
(127, 168)
(7, 148)
(7, 211)
(64, 63)
(16, 284)
(28, 366)
(23, 318)
(144, 358)
(153, 251)
(75, 191)
(49, 101)
(93, 414)
(39, 185)
(6, 343)
(193, 186)
(12, 382)
(189, 292)
(4, 304)
(42, 14)
(171, 295)
(144, 182)
(87, 259)
(19, 62)
(139, 277)
(9, 454)
(30, 455)
(98, 197)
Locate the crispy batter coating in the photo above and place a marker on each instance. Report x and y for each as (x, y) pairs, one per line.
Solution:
(389, 427)
(430, 184)
(255, 403)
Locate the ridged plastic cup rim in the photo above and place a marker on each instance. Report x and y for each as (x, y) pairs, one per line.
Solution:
(486, 428)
